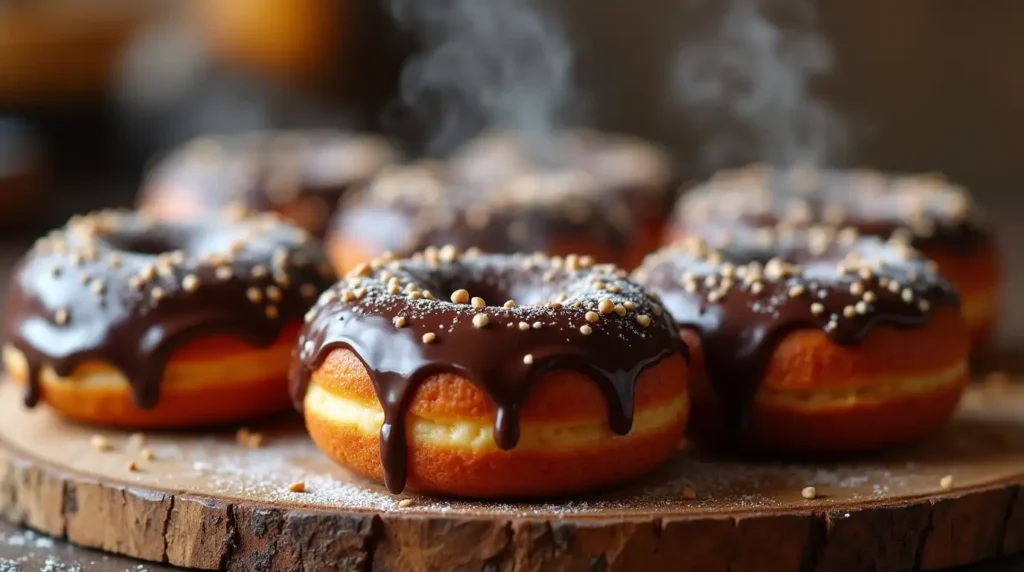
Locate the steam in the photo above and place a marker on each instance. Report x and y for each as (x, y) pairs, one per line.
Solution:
(746, 86)
(493, 64)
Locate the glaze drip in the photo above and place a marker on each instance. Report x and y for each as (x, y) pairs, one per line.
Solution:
(742, 302)
(116, 288)
(386, 315)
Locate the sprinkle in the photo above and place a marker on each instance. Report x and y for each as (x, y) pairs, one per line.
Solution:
(61, 316)
(757, 287)
(586, 330)
(857, 288)
(861, 307)
(605, 306)
(131, 466)
(223, 273)
(809, 493)
(869, 296)
(297, 487)
(399, 321)
(907, 295)
(310, 314)
(537, 325)
(147, 454)
(592, 316)
(100, 443)
(429, 337)
(273, 293)
(946, 482)
(524, 326)
(817, 309)
(157, 293)
(620, 310)
(415, 295)
(248, 438)
(405, 503)
(510, 304)
(528, 359)
(271, 312)
(481, 320)
(190, 283)
(894, 286)
(477, 302)
(254, 294)
(644, 320)
(460, 296)
(347, 295)
(259, 271)
(629, 305)
(97, 287)
(849, 311)
(796, 291)
(688, 493)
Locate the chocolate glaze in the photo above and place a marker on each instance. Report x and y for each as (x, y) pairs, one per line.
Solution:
(938, 214)
(740, 330)
(492, 357)
(113, 287)
(301, 175)
(508, 193)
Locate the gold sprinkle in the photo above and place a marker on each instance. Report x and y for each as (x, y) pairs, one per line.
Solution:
(537, 325)
(528, 359)
(259, 271)
(297, 487)
(190, 283)
(592, 316)
(857, 288)
(248, 438)
(586, 330)
(481, 320)
(907, 295)
(644, 320)
(861, 307)
(629, 305)
(271, 312)
(429, 337)
(399, 321)
(361, 270)
(524, 326)
(817, 309)
(60, 316)
(796, 291)
(510, 304)
(869, 296)
(415, 295)
(460, 296)
(348, 296)
(223, 273)
(605, 306)
(147, 454)
(254, 294)
(809, 493)
(157, 293)
(405, 503)
(946, 482)
(100, 443)
(131, 466)
(477, 302)
(273, 293)
(688, 493)
(849, 311)
(620, 310)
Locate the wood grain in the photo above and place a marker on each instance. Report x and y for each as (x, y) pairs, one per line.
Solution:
(206, 502)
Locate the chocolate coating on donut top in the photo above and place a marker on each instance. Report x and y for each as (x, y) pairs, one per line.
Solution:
(116, 288)
(742, 302)
(408, 208)
(499, 320)
(928, 209)
(301, 174)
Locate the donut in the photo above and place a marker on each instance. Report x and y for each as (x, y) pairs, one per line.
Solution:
(932, 214)
(823, 343)
(120, 321)
(300, 175)
(594, 197)
(417, 372)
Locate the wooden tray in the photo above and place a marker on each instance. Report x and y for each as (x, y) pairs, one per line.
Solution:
(207, 502)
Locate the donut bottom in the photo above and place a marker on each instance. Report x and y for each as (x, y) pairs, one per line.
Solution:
(564, 447)
(210, 381)
(894, 387)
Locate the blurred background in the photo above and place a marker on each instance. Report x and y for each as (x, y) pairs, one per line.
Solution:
(92, 91)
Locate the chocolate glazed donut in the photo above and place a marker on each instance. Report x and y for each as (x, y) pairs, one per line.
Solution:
(300, 175)
(116, 288)
(931, 214)
(562, 315)
(809, 332)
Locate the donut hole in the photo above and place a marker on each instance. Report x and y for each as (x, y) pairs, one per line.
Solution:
(152, 243)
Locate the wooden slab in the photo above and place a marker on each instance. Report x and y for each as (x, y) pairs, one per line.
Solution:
(207, 502)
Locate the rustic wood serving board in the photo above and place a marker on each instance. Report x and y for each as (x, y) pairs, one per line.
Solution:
(205, 501)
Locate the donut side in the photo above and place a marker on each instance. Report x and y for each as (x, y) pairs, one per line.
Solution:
(565, 442)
